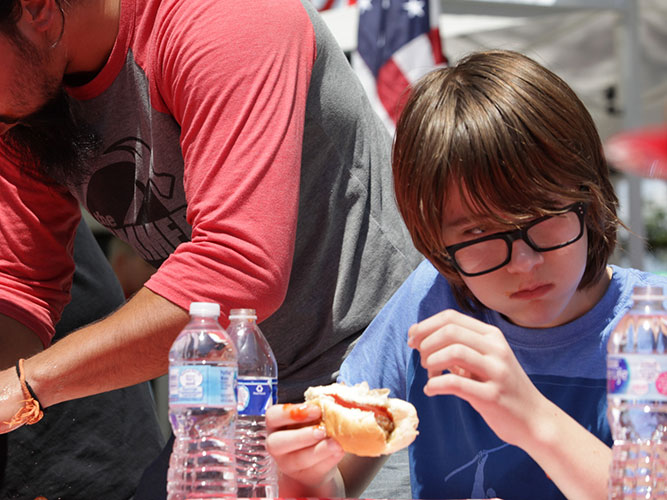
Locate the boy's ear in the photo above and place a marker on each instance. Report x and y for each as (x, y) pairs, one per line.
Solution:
(41, 14)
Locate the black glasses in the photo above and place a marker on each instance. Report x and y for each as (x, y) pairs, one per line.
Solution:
(488, 253)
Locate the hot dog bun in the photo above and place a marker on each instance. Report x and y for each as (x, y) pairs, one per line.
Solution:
(349, 417)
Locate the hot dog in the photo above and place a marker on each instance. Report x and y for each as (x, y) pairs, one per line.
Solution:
(365, 422)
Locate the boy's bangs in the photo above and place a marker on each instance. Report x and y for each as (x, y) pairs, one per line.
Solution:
(530, 196)
(503, 169)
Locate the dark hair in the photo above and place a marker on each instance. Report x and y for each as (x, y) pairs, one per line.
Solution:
(511, 136)
(10, 13)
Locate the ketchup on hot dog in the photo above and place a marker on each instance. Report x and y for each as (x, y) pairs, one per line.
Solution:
(382, 415)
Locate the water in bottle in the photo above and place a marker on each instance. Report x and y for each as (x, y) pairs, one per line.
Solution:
(257, 388)
(202, 408)
(637, 398)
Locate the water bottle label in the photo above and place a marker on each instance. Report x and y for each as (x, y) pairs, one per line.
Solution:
(202, 385)
(256, 394)
(637, 376)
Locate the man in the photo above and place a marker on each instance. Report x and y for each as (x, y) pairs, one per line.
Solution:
(230, 145)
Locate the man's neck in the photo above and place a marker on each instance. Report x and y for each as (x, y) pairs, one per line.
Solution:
(88, 49)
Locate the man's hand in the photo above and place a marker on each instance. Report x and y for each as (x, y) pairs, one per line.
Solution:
(127, 347)
(11, 399)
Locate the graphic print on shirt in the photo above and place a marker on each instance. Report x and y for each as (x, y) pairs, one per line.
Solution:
(479, 462)
(152, 215)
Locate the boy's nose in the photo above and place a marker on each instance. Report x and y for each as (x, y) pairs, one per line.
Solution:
(524, 258)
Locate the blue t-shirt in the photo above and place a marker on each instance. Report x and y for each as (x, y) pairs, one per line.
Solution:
(456, 454)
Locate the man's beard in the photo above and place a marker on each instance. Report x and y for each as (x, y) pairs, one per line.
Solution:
(53, 144)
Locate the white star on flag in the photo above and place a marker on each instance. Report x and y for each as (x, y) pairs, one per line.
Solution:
(365, 5)
(414, 8)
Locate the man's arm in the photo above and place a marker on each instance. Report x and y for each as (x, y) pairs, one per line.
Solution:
(129, 346)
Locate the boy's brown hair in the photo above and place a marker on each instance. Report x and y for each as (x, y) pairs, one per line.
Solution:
(514, 139)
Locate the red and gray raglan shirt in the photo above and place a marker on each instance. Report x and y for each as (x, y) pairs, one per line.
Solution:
(240, 157)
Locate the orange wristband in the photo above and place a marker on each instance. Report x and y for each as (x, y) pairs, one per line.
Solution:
(31, 412)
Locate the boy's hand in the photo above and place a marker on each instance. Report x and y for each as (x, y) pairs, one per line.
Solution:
(482, 369)
(306, 458)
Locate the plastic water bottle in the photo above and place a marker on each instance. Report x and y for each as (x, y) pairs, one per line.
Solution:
(257, 474)
(637, 398)
(202, 408)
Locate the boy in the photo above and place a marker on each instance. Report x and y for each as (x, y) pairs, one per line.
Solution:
(499, 339)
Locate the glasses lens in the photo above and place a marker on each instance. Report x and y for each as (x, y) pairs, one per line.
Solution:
(481, 256)
(555, 231)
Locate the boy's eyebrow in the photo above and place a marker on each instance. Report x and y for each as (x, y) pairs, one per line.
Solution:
(470, 218)
(463, 220)
(459, 221)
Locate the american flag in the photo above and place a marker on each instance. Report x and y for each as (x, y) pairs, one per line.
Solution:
(398, 42)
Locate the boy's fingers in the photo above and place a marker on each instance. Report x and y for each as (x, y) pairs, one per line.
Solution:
(287, 441)
(451, 334)
(423, 329)
(291, 415)
(459, 359)
(463, 387)
(313, 463)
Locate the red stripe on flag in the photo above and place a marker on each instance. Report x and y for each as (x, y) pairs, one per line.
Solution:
(434, 37)
(328, 4)
(392, 89)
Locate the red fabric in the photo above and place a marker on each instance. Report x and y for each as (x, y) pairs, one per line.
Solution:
(35, 262)
(241, 109)
(642, 152)
(235, 78)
